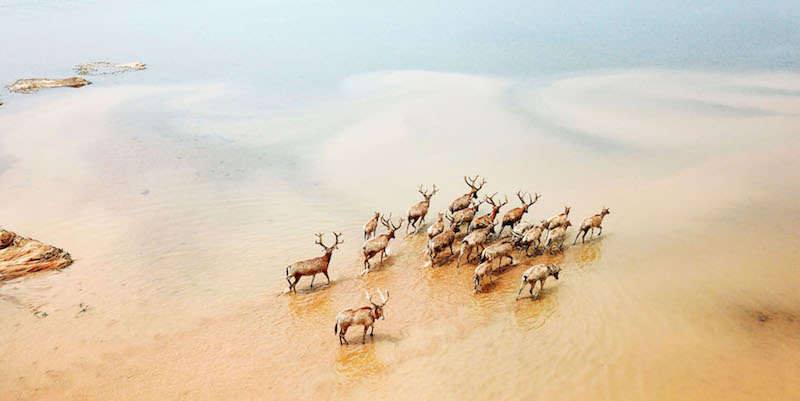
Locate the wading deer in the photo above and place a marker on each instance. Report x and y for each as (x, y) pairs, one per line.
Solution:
(556, 221)
(474, 240)
(499, 250)
(311, 267)
(483, 270)
(436, 228)
(485, 220)
(557, 236)
(538, 273)
(530, 237)
(513, 216)
(365, 316)
(465, 216)
(590, 223)
(444, 240)
(463, 201)
(371, 228)
(379, 243)
(417, 212)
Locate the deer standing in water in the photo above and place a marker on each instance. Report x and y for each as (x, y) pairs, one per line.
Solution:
(488, 219)
(465, 216)
(371, 228)
(538, 274)
(420, 210)
(557, 220)
(365, 316)
(311, 267)
(379, 243)
(436, 228)
(474, 240)
(444, 240)
(557, 236)
(513, 216)
(531, 236)
(463, 201)
(590, 223)
(498, 250)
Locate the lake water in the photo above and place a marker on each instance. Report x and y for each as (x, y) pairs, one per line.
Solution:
(183, 192)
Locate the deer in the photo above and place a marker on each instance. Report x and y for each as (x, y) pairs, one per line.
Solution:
(436, 228)
(463, 201)
(379, 243)
(590, 223)
(6, 239)
(557, 220)
(531, 236)
(417, 212)
(483, 270)
(499, 250)
(513, 216)
(538, 273)
(371, 228)
(557, 236)
(474, 240)
(444, 240)
(465, 216)
(364, 316)
(486, 220)
(521, 228)
(312, 267)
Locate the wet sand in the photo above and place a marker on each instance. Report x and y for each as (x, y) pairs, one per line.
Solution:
(182, 217)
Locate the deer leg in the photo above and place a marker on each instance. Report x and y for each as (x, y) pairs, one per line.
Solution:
(601, 230)
(364, 337)
(289, 279)
(520, 290)
(312, 279)
(372, 332)
(326, 276)
(451, 250)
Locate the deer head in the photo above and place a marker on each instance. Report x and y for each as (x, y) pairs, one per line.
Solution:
(473, 192)
(329, 250)
(531, 200)
(495, 206)
(377, 309)
(426, 195)
(605, 211)
(566, 210)
(554, 269)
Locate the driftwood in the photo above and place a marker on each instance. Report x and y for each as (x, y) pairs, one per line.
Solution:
(106, 68)
(20, 257)
(32, 85)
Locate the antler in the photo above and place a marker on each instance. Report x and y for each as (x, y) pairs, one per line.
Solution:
(337, 238)
(384, 298)
(424, 193)
(534, 199)
(521, 196)
(386, 222)
(467, 180)
(505, 202)
(490, 199)
(482, 183)
(398, 226)
(319, 240)
(435, 190)
(369, 297)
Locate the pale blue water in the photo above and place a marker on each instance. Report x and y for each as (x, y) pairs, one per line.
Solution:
(295, 47)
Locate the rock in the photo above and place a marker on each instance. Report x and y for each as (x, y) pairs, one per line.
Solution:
(31, 85)
(106, 68)
(21, 256)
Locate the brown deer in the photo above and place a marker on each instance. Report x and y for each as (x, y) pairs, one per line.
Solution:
(474, 240)
(365, 316)
(311, 267)
(498, 250)
(485, 220)
(465, 216)
(531, 236)
(538, 274)
(483, 270)
(371, 228)
(418, 212)
(556, 221)
(379, 243)
(444, 240)
(557, 236)
(463, 201)
(513, 216)
(436, 228)
(590, 223)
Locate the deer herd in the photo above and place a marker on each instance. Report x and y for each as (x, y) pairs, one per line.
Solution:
(547, 236)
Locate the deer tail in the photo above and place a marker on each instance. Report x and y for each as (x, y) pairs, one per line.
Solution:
(336, 328)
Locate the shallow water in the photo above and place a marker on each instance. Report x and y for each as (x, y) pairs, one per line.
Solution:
(183, 200)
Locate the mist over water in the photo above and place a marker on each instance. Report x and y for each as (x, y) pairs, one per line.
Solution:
(183, 192)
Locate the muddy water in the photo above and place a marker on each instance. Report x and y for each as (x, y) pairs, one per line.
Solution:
(182, 214)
